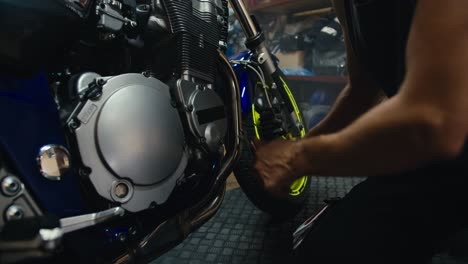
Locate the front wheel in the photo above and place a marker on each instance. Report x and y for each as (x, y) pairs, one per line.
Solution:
(251, 185)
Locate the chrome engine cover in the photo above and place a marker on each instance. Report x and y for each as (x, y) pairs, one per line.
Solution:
(132, 136)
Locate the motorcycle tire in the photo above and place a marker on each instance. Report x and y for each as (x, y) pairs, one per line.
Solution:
(279, 208)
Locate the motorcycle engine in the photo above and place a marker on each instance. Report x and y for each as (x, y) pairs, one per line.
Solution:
(137, 134)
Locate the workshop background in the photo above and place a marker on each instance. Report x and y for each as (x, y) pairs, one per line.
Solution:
(306, 37)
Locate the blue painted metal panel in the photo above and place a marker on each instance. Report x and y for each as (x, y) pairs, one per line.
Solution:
(29, 120)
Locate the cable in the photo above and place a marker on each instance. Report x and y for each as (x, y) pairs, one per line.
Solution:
(265, 88)
(260, 76)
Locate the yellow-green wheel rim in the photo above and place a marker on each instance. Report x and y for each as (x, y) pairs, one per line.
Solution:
(298, 186)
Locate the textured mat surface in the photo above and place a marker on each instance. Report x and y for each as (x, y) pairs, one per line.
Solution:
(240, 233)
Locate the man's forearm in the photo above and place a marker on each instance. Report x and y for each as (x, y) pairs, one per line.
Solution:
(390, 138)
(347, 108)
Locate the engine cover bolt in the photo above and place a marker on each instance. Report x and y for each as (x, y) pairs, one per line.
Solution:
(84, 172)
(73, 124)
(11, 186)
(101, 82)
(14, 212)
(121, 190)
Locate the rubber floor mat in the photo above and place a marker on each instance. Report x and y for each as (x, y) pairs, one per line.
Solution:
(241, 234)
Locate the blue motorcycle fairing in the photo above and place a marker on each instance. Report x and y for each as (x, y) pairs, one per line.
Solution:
(30, 120)
(243, 77)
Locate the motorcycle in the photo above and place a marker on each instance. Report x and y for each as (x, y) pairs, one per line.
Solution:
(122, 121)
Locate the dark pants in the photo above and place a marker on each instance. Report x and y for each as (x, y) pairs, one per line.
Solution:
(392, 219)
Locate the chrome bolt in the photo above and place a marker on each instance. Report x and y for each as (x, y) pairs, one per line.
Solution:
(11, 186)
(121, 190)
(53, 161)
(261, 58)
(14, 212)
(73, 124)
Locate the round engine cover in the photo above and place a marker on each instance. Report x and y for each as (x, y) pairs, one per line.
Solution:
(131, 135)
(139, 134)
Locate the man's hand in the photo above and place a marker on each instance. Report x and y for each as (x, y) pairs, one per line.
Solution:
(270, 125)
(276, 165)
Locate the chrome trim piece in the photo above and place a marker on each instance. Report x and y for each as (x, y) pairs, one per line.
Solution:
(53, 161)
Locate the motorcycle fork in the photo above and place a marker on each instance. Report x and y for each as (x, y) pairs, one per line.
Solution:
(274, 77)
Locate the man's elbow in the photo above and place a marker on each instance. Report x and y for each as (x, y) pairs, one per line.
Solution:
(436, 134)
(450, 148)
(447, 140)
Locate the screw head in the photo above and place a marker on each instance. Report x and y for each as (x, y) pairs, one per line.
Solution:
(84, 171)
(14, 212)
(73, 124)
(11, 186)
(100, 82)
